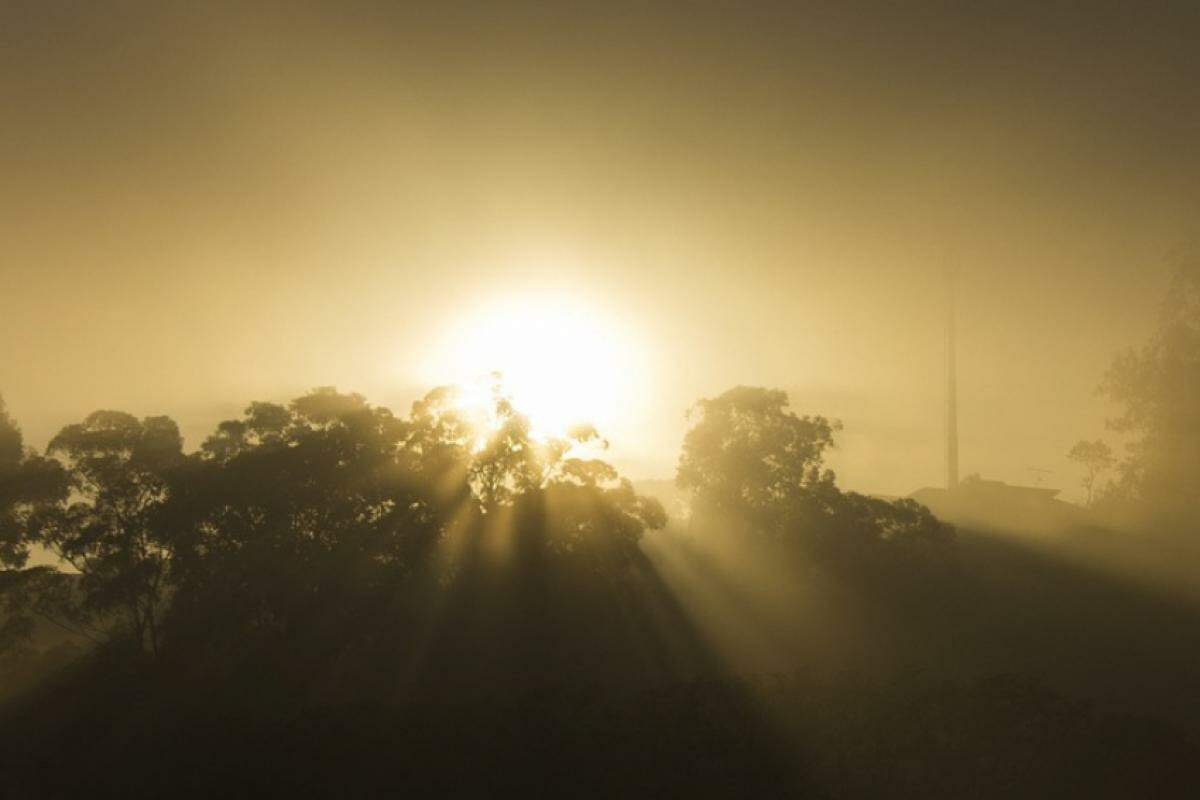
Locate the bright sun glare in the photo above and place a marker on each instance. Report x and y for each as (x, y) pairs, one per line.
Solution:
(560, 359)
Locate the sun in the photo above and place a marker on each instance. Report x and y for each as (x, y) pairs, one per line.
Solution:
(561, 359)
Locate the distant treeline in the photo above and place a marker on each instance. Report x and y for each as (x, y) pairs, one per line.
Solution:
(333, 537)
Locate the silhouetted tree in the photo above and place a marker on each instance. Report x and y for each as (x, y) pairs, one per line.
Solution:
(118, 469)
(752, 462)
(545, 543)
(28, 485)
(747, 456)
(33, 491)
(318, 529)
(292, 522)
(1156, 387)
(1096, 458)
(299, 560)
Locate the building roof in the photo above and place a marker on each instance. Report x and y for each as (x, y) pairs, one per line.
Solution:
(987, 503)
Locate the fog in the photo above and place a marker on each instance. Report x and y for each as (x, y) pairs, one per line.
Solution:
(206, 206)
(486, 398)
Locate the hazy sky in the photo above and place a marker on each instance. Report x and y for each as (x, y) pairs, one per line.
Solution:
(204, 205)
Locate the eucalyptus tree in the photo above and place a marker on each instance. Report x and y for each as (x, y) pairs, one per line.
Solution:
(312, 534)
(753, 464)
(1096, 458)
(296, 523)
(32, 491)
(752, 461)
(1155, 387)
(109, 529)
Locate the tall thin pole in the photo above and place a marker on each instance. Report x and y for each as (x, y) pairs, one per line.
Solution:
(951, 387)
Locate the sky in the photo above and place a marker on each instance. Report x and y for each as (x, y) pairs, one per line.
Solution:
(206, 204)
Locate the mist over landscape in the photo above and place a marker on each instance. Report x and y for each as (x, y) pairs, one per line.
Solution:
(757, 400)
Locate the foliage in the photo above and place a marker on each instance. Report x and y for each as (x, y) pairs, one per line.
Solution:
(748, 455)
(31, 489)
(1156, 387)
(108, 531)
(291, 517)
(28, 484)
(755, 464)
(326, 524)
(1096, 458)
(355, 602)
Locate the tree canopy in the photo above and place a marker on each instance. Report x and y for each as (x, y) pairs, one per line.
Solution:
(758, 465)
(1096, 458)
(1156, 387)
(336, 537)
(307, 528)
